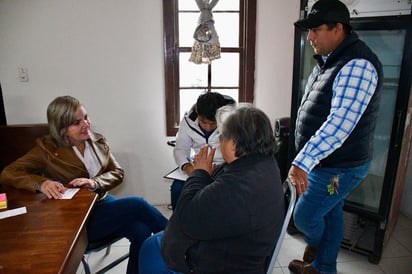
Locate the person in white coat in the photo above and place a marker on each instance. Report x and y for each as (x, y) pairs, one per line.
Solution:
(197, 128)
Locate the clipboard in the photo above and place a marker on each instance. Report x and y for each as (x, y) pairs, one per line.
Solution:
(176, 174)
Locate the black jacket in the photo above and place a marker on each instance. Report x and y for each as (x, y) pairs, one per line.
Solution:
(228, 222)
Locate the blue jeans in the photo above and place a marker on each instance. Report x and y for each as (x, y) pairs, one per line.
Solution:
(151, 260)
(130, 217)
(319, 214)
(175, 190)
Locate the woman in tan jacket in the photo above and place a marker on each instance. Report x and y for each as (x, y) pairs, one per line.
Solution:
(74, 156)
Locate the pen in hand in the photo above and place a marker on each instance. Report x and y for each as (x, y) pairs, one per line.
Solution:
(189, 161)
(61, 183)
(52, 189)
(189, 166)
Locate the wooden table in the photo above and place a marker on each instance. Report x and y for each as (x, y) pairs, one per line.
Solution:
(50, 238)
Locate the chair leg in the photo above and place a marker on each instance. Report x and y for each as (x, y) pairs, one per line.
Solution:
(113, 264)
(85, 265)
(108, 250)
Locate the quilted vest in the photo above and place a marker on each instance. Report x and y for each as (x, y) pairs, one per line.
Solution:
(316, 104)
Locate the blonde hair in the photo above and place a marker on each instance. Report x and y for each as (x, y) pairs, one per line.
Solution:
(61, 113)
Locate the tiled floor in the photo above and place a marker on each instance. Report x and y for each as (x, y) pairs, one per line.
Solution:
(396, 257)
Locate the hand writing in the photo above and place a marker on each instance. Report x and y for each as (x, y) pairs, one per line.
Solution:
(52, 189)
(188, 168)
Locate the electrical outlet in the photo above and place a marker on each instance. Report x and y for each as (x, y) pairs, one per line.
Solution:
(23, 74)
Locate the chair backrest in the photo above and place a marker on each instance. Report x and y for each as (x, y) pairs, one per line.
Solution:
(16, 140)
(287, 185)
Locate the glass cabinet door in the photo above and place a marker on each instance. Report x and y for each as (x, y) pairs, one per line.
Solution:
(388, 45)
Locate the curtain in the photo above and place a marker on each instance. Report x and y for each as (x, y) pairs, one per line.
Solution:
(206, 46)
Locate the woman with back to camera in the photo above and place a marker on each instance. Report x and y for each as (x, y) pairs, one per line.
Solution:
(73, 155)
(197, 128)
(228, 218)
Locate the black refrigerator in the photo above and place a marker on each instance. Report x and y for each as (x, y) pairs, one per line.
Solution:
(368, 212)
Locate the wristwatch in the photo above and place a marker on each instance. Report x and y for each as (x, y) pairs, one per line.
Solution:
(38, 186)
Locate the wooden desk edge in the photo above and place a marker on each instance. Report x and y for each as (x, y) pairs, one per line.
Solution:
(74, 256)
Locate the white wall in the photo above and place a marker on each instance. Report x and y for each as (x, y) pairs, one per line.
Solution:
(109, 54)
(274, 56)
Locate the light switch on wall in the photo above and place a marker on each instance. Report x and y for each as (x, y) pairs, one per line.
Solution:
(23, 74)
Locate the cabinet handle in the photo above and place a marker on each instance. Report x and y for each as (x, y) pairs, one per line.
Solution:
(398, 129)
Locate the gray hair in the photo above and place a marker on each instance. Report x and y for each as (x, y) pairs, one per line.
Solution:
(248, 127)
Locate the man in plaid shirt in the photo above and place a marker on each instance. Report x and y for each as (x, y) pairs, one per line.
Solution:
(334, 132)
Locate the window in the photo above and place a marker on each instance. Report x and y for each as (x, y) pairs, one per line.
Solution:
(232, 74)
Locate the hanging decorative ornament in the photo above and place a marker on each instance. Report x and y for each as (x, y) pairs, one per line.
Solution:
(206, 46)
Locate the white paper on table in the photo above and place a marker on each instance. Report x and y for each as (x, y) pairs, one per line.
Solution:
(13, 212)
(69, 193)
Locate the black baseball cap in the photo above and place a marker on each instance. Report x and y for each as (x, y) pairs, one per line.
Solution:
(325, 11)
